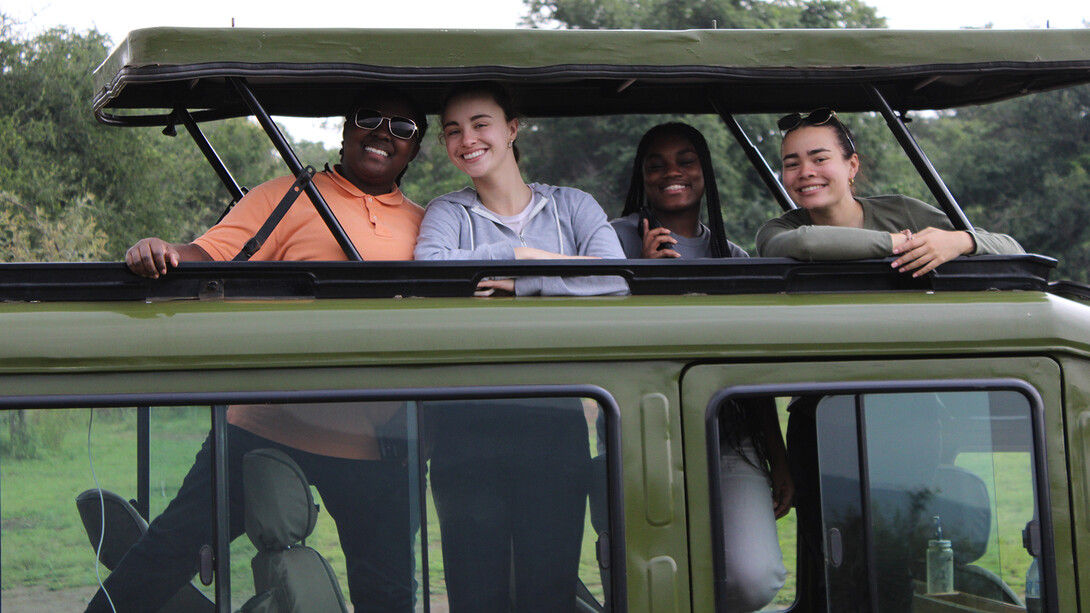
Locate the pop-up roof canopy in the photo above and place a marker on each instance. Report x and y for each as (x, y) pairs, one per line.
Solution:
(315, 72)
(170, 76)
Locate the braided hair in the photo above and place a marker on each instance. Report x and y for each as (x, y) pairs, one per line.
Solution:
(636, 198)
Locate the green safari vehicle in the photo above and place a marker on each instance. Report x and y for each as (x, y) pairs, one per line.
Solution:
(958, 401)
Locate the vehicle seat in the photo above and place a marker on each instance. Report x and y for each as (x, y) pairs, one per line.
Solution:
(280, 514)
(961, 501)
(124, 526)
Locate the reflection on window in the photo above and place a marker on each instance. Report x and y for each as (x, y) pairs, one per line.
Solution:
(943, 479)
(438, 505)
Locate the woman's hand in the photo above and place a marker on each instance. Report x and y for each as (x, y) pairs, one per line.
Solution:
(779, 470)
(506, 287)
(926, 250)
(783, 488)
(495, 287)
(655, 238)
(533, 253)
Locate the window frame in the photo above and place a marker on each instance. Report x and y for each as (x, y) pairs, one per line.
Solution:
(611, 554)
(1049, 587)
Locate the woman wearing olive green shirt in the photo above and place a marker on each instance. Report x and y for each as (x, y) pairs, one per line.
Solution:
(819, 167)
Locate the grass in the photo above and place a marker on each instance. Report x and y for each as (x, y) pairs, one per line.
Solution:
(44, 543)
(1008, 479)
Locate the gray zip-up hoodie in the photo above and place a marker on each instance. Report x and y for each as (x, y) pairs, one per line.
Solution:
(562, 220)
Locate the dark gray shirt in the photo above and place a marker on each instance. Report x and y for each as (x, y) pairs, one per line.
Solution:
(699, 246)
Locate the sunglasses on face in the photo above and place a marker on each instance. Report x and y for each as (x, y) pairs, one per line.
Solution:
(816, 117)
(370, 119)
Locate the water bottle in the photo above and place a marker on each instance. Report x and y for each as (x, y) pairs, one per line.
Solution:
(940, 563)
(1033, 588)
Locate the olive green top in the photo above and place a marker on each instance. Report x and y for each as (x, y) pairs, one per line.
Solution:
(794, 234)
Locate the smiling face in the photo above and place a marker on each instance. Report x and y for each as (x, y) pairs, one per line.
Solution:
(373, 159)
(477, 134)
(815, 172)
(673, 179)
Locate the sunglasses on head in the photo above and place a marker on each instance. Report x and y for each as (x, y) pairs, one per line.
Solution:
(816, 117)
(370, 119)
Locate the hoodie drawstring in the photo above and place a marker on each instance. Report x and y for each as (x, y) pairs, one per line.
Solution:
(556, 217)
(469, 224)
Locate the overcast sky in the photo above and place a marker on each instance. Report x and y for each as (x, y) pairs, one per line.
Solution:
(116, 19)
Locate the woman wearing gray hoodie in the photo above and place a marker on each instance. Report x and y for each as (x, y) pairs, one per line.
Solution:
(510, 476)
(502, 217)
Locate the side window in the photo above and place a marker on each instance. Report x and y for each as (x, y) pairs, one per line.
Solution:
(517, 504)
(422, 503)
(914, 501)
(925, 496)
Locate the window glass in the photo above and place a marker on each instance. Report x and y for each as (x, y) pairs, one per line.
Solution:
(422, 504)
(510, 481)
(936, 488)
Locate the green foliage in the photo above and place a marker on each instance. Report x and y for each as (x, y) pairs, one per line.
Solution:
(28, 235)
(35, 434)
(1022, 167)
(431, 174)
(64, 169)
(686, 14)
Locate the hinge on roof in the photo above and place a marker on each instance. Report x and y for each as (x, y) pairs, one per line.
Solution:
(172, 122)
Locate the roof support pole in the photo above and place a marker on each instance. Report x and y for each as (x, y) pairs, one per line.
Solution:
(920, 161)
(755, 158)
(210, 154)
(296, 168)
(221, 531)
(143, 462)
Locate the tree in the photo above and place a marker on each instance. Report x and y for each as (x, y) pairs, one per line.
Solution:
(685, 14)
(1023, 167)
(431, 173)
(27, 235)
(128, 183)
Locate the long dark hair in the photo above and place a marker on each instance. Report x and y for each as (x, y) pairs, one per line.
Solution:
(637, 197)
(741, 419)
(493, 90)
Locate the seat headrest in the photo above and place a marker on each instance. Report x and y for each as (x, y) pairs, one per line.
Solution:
(961, 501)
(280, 510)
(124, 526)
